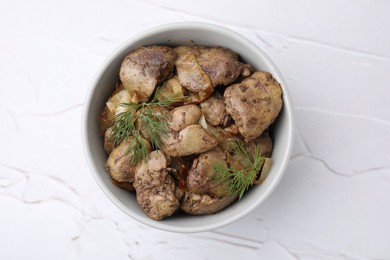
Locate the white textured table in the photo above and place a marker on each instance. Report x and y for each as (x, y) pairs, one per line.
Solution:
(334, 201)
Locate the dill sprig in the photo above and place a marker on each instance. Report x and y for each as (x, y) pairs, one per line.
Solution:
(239, 180)
(150, 122)
(139, 148)
(124, 123)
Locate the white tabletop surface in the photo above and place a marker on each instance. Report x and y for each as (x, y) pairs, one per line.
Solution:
(334, 200)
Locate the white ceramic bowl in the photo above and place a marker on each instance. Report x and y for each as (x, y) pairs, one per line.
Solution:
(173, 35)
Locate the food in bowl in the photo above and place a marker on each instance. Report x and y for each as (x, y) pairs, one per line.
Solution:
(187, 128)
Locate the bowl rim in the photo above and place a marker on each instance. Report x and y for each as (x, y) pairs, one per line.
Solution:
(288, 109)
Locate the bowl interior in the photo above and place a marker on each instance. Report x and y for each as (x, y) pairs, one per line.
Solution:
(173, 35)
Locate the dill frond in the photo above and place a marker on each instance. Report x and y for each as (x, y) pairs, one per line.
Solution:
(239, 180)
(145, 116)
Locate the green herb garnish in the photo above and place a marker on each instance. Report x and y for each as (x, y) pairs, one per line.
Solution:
(239, 180)
(142, 116)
